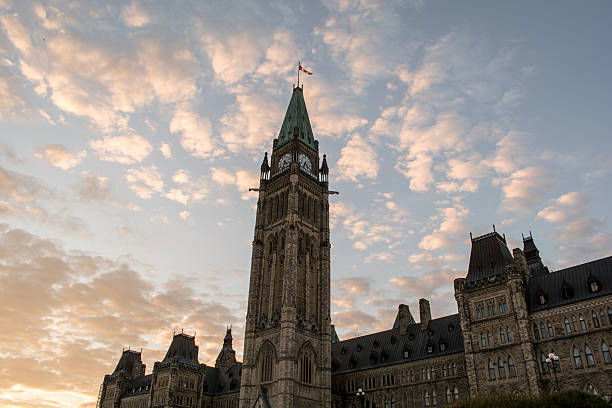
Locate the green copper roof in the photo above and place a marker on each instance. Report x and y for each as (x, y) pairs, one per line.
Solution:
(296, 116)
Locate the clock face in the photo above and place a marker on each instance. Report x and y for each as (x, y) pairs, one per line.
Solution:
(305, 163)
(284, 162)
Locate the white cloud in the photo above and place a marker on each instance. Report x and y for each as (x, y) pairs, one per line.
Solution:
(195, 131)
(525, 188)
(242, 179)
(452, 224)
(235, 55)
(134, 14)
(567, 207)
(358, 160)
(17, 32)
(166, 150)
(145, 181)
(184, 214)
(124, 149)
(58, 156)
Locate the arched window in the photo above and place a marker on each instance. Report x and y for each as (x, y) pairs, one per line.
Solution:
(454, 369)
(266, 364)
(443, 370)
(386, 402)
(583, 325)
(426, 398)
(574, 323)
(456, 392)
(551, 332)
(577, 359)
(422, 373)
(589, 356)
(605, 350)
(393, 401)
(449, 395)
(543, 364)
(595, 319)
(590, 389)
(483, 341)
(568, 328)
(501, 369)
(602, 316)
(509, 333)
(542, 330)
(536, 333)
(502, 335)
(511, 367)
(489, 338)
(491, 370)
(433, 397)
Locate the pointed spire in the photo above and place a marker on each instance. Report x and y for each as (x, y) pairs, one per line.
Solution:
(296, 118)
(265, 168)
(227, 340)
(324, 170)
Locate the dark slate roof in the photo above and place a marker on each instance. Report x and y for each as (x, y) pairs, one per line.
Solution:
(296, 116)
(577, 278)
(368, 351)
(489, 257)
(139, 385)
(218, 382)
(128, 360)
(183, 349)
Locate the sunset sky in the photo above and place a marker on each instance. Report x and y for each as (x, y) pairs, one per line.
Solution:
(130, 132)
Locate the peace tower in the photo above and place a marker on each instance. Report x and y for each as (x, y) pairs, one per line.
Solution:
(287, 344)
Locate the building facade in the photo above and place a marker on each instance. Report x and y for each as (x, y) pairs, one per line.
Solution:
(512, 313)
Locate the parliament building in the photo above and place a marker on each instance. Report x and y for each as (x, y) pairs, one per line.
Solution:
(512, 314)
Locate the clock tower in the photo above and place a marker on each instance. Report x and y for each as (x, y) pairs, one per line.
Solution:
(287, 346)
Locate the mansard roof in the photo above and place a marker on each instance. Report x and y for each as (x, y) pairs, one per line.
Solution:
(129, 360)
(577, 278)
(387, 347)
(138, 386)
(182, 349)
(489, 257)
(297, 117)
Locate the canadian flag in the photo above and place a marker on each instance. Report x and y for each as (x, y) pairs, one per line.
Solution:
(303, 70)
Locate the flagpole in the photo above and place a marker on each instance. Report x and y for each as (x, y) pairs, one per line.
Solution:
(299, 65)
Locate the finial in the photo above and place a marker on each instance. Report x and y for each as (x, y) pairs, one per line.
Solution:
(181, 331)
(494, 228)
(504, 237)
(530, 236)
(523, 235)
(471, 239)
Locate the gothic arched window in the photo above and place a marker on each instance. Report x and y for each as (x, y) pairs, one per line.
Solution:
(577, 358)
(542, 330)
(501, 369)
(589, 356)
(509, 334)
(491, 370)
(449, 395)
(511, 367)
(595, 319)
(426, 398)
(605, 350)
(568, 328)
(590, 389)
(602, 316)
(536, 333)
(483, 341)
(544, 364)
(502, 335)
(454, 369)
(489, 338)
(305, 368)
(266, 364)
(551, 332)
(456, 392)
(583, 325)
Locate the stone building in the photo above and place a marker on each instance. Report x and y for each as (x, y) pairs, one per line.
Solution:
(512, 313)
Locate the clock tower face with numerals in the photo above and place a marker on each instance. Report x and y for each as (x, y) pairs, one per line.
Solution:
(287, 345)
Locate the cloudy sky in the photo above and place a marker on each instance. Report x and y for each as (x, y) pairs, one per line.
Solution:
(130, 132)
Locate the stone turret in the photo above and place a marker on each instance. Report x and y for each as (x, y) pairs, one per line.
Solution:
(227, 357)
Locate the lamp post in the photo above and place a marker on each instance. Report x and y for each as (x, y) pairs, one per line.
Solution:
(553, 363)
(361, 395)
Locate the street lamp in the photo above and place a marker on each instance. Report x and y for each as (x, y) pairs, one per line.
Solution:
(553, 363)
(361, 395)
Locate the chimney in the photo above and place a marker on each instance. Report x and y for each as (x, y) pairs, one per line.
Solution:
(404, 317)
(425, 313)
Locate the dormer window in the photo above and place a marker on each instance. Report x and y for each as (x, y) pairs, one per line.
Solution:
(442, 346)
(406, 352)
(541, 297)
(594, 284)
(429, 349)
(359, 347)
(567, 292)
